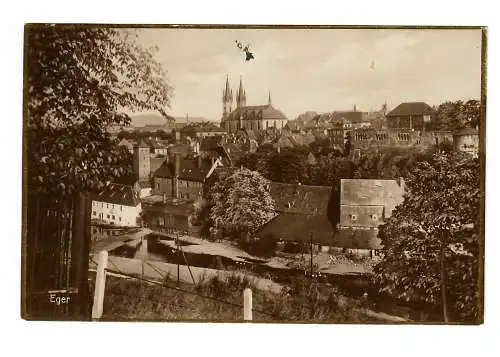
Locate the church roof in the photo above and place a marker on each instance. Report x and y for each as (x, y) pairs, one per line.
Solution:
(256, 112)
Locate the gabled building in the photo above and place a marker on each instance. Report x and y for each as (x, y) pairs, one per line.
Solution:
(183, 178)
(117, 204)
(410, 115)
(364, 205)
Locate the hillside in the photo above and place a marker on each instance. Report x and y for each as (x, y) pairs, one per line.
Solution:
(143, 119)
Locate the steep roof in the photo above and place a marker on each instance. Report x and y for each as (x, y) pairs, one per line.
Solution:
(365, 192)
(118, 194)
(340, 116)
(189, 170)
(305, 199)
(254, 112)
(296, 227)
(411, 108)
(366, 216)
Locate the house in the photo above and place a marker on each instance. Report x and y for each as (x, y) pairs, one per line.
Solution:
(183, 178)
(410, 115)
(303, 215)
(159, 148)
(117, 204)
(349, 120)
(209, 130)
(364, 205)
(467, 140)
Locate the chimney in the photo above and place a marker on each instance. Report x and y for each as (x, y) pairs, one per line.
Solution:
(177, 170)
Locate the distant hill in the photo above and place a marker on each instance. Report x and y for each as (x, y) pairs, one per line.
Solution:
(139, 120)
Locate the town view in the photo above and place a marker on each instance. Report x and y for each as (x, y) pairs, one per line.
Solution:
(253, 174)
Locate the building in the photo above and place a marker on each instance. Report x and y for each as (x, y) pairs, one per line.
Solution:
(467, 140)
(142, 161)
(364, 205)
(205, 130)
(410, 115)
(303, 215)
(243, 117)
(184, 178)
(118, 205)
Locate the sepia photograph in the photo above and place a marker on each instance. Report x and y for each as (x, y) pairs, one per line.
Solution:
(251, 173)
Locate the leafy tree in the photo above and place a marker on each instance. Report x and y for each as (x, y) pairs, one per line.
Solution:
(285, 166)
(431, 241)
(242, 201)
(80, 80)
(456, 115)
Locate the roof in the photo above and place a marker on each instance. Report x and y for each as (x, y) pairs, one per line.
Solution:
(351, 116)
(466, 131)
(296, 227)
(189, 170)
(411, 108)
(209, 143)
(141, 144)
(183, 149)
(233, 151)
(366, 192)
(118, 194)
(300, 198)
(254, 112)
(128, 179)
(209, 127)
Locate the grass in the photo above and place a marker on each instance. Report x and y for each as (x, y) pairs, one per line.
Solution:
(302, 301)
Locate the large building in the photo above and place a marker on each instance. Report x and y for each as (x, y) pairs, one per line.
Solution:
(410, 115)
(118, 205)
(243, 117)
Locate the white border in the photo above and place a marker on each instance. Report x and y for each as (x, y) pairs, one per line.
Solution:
(224, 339)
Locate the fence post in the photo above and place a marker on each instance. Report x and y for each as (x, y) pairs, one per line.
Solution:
(100, 284)
(247, 304)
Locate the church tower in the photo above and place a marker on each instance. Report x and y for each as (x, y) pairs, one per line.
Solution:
(227, 100)
(241, 96)
(269, 100)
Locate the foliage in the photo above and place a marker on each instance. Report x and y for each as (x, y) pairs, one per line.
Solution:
(242, 200)
(456, 115)
(79, 81)
(440, 214)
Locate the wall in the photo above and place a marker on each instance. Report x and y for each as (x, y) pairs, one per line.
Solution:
(467, 143)
(189, 190)
(123, 215)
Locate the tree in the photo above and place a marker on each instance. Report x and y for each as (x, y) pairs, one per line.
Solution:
(431, 242)
(242, 201)
(457, 115)
(285, 166)
(80, 80)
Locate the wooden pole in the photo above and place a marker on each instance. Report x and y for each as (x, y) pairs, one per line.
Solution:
(100, 284)
(247, 304)
(311, 254)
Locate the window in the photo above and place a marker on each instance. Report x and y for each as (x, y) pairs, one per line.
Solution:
(94, 213)
(373, 217)
(113, 217)
(112, 206)
(121, 208)
(107, 206)
(107, 216)
(353, 217)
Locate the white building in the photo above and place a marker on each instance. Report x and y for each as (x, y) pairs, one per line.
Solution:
(117, 204)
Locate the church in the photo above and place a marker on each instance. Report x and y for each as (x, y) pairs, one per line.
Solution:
(243, 117)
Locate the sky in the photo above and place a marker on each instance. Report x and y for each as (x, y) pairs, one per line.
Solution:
(317, 69)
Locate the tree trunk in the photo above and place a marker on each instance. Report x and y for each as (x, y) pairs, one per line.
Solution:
(443, 278)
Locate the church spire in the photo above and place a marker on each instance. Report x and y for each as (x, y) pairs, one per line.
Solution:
(269, 100)
(241, 97)
(227, 99)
